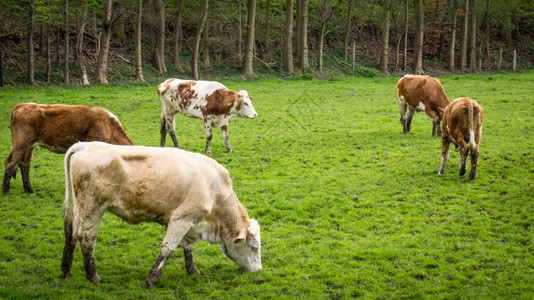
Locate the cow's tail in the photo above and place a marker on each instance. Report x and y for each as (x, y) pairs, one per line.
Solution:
(471, 121)
(70, 239)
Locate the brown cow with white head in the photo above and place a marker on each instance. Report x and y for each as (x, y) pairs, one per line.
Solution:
(462, 126)
(207, 100)
(190, 193)
(421, 93)
(56, 128)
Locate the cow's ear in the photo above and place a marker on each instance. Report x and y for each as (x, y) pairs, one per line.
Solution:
(251, 98)
(241, 237)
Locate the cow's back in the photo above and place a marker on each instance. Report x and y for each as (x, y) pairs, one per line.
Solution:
(145, 183)
(422, 88)
(187, 96)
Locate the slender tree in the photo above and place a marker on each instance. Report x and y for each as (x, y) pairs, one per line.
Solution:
(66, 79)
(268, 26)
(486, 22)
(102, 64)
(347, 30)
(405, 56)
(206, 44)
(452, 43)
(159, 28)
(463, 37)
(48, 55)
(324, 18)
(138, 59)
(385, 38)
(81, 31)
(31, 68)
(304, 64)
(472, 36)
(196, 45)
(287, 54)
(177, 42)
(419, 32)
(248, 58)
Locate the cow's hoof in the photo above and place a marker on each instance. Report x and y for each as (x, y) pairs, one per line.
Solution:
(150, 282)
(95, 279)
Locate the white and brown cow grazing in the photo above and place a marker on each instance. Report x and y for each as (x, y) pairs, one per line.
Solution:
(56, 128)
(191, 194)
(207, 100)
(462, 125)
(421, 93)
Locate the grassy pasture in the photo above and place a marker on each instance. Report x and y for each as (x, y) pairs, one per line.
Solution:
(348, 205)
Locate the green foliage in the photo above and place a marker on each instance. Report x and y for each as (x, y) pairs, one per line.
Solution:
(348, 205)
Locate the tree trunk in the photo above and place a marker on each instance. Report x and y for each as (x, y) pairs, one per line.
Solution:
(268, 25)
(473, 37)
(463, 38)
(206, 44)
(196, 45)
(48, 55)
(298, 25)
(42, 37)
(405, 58)
(487, 31)
(102, 64)
(138, 58)
(325, 15)
(452, 43)
(287, 56)
(159, 27)
(249, 41)
(419, 33)
(347, 31)
(304, 65)
(66, 79)
(240, 35)
(118, 24)
(177, 43)
(31, 69)
(81, 32)
(385, 38)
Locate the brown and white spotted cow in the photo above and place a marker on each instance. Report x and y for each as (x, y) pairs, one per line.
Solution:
(190, 193)
(421, 93)
(56, 128)
(462, 125)
(207, 100)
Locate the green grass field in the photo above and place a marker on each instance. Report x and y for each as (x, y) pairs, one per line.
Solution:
(348, 205)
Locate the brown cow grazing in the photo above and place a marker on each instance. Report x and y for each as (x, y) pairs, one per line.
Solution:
(421, 93)
(207, 100)
(56, 128)
(190, 193)
(462, 125)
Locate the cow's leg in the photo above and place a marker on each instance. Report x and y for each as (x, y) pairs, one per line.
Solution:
(190, 265)
(436, 130)
(402, 109)
(209, 135)
(68, 249)
(88, 226)
(11, 163)
(474, 162)
(464, 151)
(25, 171)
(224, 131)
(176, 230)
(409, 117)
(163, 131)
(170, 126)
(444, 154)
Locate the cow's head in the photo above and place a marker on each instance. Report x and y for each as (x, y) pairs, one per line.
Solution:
(245, 250)
(244, 108)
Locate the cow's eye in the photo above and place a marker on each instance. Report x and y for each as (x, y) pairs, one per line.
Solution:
(245, 103)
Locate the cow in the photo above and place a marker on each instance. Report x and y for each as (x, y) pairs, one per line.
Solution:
(421, 93)
(462, 126)
(190, 193)
(207, 100)
(56, 128)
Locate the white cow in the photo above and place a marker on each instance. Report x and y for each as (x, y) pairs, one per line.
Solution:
(207, 100)
(188, 192)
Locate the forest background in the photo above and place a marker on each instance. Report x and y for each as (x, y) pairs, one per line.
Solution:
(86, 41)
